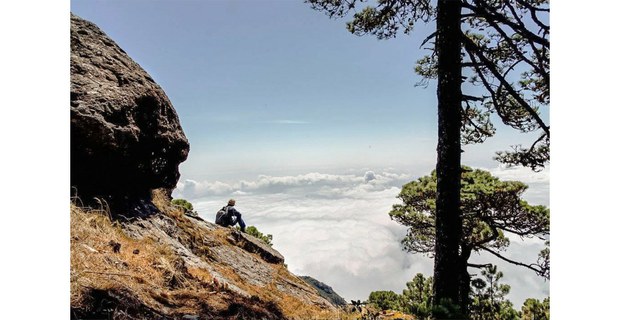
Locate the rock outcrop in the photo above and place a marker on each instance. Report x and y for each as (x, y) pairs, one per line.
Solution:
(325, 291)
(255, 245)
(126, 138)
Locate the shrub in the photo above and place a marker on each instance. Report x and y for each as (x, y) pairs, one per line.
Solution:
(185, 205)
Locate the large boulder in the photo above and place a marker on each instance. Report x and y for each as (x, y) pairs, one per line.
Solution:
(126, 138)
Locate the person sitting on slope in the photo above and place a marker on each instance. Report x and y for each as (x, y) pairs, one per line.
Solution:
(229, 216)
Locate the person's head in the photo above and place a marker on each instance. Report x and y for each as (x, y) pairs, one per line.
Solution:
(231, 202)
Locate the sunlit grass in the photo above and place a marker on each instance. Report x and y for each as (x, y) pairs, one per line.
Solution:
(156, 276)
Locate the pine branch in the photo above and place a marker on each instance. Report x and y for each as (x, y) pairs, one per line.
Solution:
(486, 84)
(431, 36)
(533, 10)
(539, 271)
(479, 266)
(473, 124)
(473, 48)
(494, 236)
(537, 67)
(483, 10)
(522, 25)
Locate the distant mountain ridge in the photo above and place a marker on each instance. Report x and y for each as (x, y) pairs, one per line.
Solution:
(325, 291)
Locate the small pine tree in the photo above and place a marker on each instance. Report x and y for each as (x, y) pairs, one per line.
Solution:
(416, 299)
(489, 297)
(533, 309)
(384, 300)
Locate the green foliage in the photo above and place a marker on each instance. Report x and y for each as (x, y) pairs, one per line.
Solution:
(383, 21)
(253, 231)
(416, 298)
(491, 208)
(183, 204)
(447, 309)
(533, 309)
(487, 300)
(384, 300)
(488, 297)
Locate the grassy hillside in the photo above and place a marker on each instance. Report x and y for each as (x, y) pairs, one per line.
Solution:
(144, 270)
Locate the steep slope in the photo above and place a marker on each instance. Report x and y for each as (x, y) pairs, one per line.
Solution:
(171, 266)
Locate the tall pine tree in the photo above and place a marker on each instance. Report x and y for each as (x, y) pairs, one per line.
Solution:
(498, 46)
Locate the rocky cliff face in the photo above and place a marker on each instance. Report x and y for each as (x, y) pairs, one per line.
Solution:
(126, 138)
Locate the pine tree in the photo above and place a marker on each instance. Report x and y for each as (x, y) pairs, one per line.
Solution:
(489, 297)
(499, 46)
(416, 298)
(492, 209)
(533, 309)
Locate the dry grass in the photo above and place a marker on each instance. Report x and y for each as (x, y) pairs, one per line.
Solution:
(154, 275)
(296, 309)
(94, 264)
(156, 278)
(291, 307)
(162, 202)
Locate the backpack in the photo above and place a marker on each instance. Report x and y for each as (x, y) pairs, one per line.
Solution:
(222, 216)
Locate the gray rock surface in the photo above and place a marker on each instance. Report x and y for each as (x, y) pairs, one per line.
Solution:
(255, 245)
(126, 138)
(253, 264)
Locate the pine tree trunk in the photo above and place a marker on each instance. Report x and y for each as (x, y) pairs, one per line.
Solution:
(464, 281)
(448, 219)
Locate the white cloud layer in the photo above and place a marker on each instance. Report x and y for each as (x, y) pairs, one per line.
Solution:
(311, 184)
(336, 228)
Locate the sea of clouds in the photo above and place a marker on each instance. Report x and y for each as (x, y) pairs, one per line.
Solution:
(336, 227)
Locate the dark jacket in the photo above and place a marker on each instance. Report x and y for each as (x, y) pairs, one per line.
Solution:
(232, 217)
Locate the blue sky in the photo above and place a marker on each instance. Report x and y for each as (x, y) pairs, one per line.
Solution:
(276, 87)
